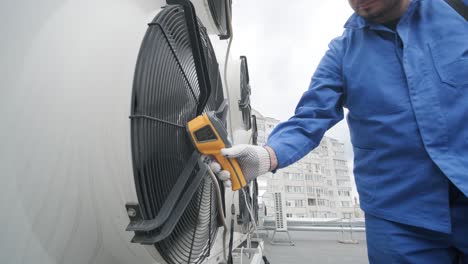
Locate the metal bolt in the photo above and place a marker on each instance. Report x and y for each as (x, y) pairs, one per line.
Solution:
(131, 212)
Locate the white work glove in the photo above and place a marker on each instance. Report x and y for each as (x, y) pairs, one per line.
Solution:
(223, 175)
(253, 160)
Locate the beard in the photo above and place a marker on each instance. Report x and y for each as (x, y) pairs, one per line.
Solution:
(379, 14)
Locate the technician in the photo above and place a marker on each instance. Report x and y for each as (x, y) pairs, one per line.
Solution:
(401, 68)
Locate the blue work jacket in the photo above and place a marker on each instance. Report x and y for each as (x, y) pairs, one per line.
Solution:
(407, 95)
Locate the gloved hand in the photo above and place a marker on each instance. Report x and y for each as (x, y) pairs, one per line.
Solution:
(253, 160)
(223, 175)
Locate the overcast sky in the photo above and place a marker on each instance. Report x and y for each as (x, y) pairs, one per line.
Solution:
(284, 42)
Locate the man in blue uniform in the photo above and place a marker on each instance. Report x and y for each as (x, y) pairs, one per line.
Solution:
(401, 68)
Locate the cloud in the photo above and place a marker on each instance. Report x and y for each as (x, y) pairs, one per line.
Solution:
(284, 47)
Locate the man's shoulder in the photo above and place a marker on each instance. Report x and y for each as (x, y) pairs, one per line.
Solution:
(340, 43)
(439, 9)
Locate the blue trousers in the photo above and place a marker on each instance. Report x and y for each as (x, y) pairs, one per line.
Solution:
(391, 242)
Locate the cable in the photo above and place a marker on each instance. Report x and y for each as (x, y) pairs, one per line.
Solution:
(228, 13)
(231, 240)
(252, 218)
(241, 253)
(228, 51)
(221, 212)
(220, 208)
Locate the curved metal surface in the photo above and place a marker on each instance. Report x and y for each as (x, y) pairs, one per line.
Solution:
(65, 164)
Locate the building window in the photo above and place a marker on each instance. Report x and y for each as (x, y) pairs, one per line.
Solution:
(329, 182)
(324, 150)
(323, 202)
(293, 176)
(319, 178)
(341, 172)
(344, 193)
(317, 168)
(295, 203)
(311, 202)
(320, 192)
(289, 215)
(339, 162)
(299, 203)
(294, 189)
(342, 182)
(345, 204)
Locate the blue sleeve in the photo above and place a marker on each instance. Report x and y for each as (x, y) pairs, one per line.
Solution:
(320, 108)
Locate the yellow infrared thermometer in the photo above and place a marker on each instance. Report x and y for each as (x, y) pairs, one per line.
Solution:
(209, 136)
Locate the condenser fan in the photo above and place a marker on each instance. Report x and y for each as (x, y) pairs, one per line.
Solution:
(215, 15)
(176, 78)
(244, 103)
(219, 10)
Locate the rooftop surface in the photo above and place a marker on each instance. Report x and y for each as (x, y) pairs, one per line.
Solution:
(317, 247)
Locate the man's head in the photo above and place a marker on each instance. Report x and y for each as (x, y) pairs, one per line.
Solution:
(379, 11)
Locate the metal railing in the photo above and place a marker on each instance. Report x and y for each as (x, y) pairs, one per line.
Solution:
(337, 224)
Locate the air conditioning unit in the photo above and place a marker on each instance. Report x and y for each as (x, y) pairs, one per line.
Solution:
(215, 15)
(281, 224)
(239, 100)
(280, 215)
(87, 173)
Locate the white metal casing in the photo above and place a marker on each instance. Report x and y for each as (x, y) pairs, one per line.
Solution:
(239, 134)
(65, 163)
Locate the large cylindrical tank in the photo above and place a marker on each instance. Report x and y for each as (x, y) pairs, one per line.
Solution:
(65, 157)
(65, 161)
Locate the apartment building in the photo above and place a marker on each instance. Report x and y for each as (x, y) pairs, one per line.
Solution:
(317, 186)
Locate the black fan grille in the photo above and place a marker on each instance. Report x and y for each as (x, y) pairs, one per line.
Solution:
(188, 244)
(218, 11)
(165, 98)
(244, 103)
